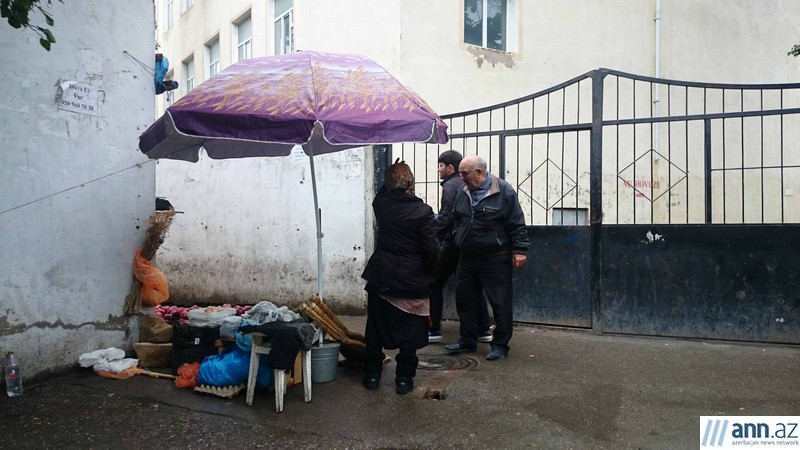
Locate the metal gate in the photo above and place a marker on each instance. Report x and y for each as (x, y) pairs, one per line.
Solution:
(641, 195)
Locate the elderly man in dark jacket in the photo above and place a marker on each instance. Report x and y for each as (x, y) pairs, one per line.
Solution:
(490, 232)
(448, 253)
(399, 275)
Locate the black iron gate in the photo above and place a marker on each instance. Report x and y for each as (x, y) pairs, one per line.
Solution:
(655, 206)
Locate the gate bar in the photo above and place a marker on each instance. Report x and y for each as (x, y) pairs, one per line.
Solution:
(596, 197)
(707, 157)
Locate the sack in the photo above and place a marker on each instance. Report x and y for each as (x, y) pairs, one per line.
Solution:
(155, 286)
(210, 316)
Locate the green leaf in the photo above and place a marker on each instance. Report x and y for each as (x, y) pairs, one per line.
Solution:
(48, 19)
(49, 35)
(45, 43)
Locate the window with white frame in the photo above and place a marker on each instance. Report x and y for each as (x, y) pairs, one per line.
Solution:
(491, 24)
(284, 27)
(244, 48)
(186, 4)
(213, 58)
(188, 70)
(168, 13)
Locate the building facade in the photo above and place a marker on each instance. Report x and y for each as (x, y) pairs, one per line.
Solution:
(251, 230)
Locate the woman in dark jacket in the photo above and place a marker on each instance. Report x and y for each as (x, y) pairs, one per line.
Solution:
(399, 275)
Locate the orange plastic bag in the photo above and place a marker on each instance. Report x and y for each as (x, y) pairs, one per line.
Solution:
(155, 286)
(187, 375)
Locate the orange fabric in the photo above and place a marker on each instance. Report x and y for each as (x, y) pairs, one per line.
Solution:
(124, 375)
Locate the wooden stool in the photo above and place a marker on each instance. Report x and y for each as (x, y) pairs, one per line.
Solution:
(278, 375)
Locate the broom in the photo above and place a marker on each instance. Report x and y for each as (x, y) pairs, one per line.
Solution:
(315, 300)
(158, 224)
(132, 372)
(351, 348)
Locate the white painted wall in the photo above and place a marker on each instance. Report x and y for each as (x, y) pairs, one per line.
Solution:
(248, 233)
(74, 204)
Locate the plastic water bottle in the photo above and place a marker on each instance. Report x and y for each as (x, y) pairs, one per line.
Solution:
(13, 376)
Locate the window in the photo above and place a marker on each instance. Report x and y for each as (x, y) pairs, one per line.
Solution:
(213, 58)
(188, 70)
(491, 24)
(168, 13)
(244, 49)
(284, 27)
(570, 216)
(186, 4)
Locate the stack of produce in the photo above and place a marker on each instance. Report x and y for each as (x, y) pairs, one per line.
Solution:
(180, 314)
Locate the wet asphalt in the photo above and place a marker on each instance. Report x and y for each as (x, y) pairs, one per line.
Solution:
(558, 388)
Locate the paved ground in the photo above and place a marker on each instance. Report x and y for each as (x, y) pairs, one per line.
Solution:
(557, 389)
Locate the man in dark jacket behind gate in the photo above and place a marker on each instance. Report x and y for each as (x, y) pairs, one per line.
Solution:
(490, 232)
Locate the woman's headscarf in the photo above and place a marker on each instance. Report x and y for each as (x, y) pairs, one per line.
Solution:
(399, 176)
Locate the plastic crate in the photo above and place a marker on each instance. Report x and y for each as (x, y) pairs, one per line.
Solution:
(188, 337)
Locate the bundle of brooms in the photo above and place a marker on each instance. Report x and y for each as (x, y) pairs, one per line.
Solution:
(353, 346)
(158, 224)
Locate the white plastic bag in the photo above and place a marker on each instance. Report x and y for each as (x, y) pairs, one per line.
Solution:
(229, 326)
(210, 316)
(108, 354)
(115, 366)
(264, 312)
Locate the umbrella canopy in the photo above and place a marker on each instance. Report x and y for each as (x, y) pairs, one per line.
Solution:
(264, 106)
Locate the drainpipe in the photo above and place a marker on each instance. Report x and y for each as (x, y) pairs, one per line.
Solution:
(657, 97)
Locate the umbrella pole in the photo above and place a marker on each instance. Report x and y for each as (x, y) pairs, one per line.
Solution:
(318, 217)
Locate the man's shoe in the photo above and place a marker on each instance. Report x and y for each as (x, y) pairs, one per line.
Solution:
(403, 385)
(458, 347)
(372, 380)
(434, 336)
(485, 336)
(496, 354)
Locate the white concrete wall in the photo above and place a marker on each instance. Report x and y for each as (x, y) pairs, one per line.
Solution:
(73, 204)
(259, 240)
(248, 233)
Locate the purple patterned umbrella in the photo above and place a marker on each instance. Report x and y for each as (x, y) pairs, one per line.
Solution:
(265, 106)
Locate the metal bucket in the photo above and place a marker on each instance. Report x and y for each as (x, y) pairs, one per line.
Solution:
(324, 360)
